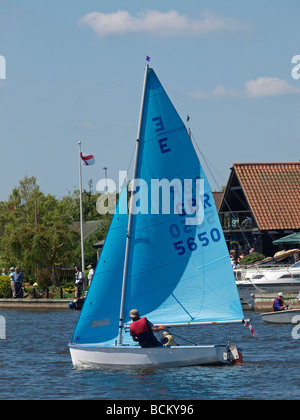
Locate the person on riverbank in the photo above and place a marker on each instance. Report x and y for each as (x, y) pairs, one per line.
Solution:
(278, 303)
(90, 275)
(78, 282)
(240, 258)
(12, 282)
(18, 280)
(142, 330)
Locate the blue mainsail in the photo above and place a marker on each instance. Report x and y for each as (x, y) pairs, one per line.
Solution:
(99, 317)
(178, 273)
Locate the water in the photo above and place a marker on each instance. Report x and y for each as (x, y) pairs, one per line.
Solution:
(35, 364)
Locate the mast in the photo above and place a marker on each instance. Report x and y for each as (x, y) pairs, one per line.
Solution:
(81, 216)
(120, 338)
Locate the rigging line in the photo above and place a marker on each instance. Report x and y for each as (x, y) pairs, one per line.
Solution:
(222, 258)
(206, 163)
(272, 237)
(259, 289)
(132, 156)
(233, 339)
(231, 212)
(185, 310)
(183, 338)
(239, 199)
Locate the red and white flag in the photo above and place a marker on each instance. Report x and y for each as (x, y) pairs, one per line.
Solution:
(247, 324)
(87, 159)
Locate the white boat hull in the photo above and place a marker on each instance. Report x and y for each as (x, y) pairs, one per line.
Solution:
(281, 317)
(268, 276)
(135, 357)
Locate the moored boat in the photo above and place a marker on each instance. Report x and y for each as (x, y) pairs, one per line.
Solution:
(289, 316)
(267, 280)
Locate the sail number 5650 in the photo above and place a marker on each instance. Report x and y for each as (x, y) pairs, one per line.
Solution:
(203, 239)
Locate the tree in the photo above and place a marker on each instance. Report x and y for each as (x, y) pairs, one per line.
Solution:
(36, 232)
(49, 244)
(99, 235)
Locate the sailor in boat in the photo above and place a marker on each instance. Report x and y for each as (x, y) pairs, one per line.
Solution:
(278, 303)
(141, 330)
(168, 339)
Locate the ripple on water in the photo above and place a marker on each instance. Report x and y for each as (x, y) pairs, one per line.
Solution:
(36, 364)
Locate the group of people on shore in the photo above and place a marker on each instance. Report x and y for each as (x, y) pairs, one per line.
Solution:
(16, 281)
(81, 283)
(237, 261)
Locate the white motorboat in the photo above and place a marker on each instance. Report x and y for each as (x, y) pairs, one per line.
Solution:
(268, 276)
(268, 280)
(247, 272)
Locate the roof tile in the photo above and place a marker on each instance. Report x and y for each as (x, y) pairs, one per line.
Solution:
(273, 193)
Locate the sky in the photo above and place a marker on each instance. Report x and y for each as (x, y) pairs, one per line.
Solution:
(74, 72)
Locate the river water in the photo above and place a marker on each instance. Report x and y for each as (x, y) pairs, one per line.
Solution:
(35, 365)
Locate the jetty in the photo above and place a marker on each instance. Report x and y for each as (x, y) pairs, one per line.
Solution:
(35, 303)
(33, 299)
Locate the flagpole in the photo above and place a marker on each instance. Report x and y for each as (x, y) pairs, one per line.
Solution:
(81, 213)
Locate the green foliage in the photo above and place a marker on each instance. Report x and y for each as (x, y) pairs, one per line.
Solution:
(36, 233)
(44, 279)
(100, 234)
(4, 286)
(252, 258)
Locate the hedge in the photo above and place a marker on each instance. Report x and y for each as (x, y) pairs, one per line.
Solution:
(4, 286)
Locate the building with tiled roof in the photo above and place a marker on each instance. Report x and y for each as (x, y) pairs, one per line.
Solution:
(261, 203)
(218, 197)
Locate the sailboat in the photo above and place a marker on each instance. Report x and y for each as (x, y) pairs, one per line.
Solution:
(166, 256)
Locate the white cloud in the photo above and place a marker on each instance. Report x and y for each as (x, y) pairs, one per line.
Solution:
(262, 87)
(220, 92)
(269, 86)
(158, 23)
(90, 126)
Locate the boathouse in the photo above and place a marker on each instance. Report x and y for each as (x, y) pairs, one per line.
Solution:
(261, 203)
